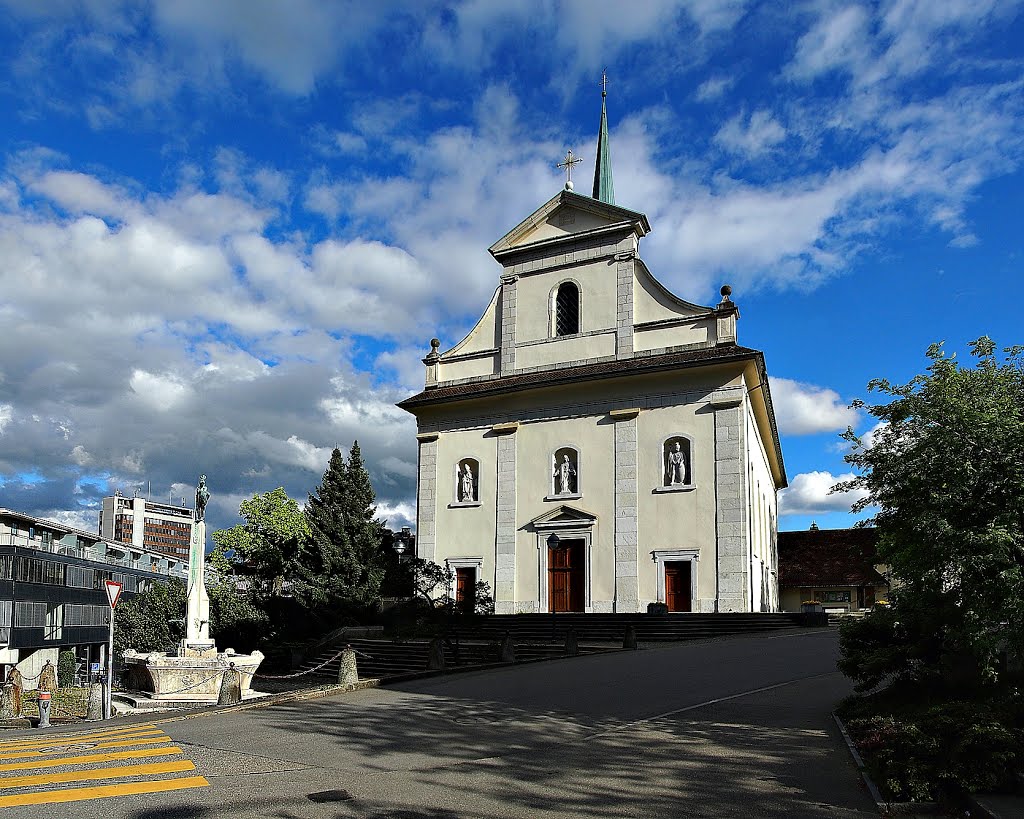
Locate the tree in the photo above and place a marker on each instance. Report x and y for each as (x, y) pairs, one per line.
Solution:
(326, 561)
(267, 546)
(345, 559)
(946, 472)
(365, 534)
(145, 621)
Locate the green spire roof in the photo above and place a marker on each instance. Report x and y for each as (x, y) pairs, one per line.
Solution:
(604, 190)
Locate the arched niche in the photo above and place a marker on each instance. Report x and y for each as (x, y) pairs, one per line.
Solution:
(565, 473)
(676, 464)
(467, 482)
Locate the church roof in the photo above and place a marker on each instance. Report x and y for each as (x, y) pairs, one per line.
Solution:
(829, 557)
(615, 214)
(604, 190)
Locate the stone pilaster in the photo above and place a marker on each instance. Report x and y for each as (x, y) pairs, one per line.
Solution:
(731, 507)
(624, 304)
(426, 496)
(508, 324)
(505, 521)
(626, 589)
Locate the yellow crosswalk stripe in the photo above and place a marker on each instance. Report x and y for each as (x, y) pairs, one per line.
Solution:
(70, 739)
(101, 791)
(120, 743)
(114, 772)
(93, 732)
(112, 756)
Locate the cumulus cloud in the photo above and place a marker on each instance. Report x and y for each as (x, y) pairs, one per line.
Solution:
(810, 493)
(806, 409)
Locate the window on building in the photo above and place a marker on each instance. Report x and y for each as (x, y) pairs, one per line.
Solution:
(54, 621)
(567, 309)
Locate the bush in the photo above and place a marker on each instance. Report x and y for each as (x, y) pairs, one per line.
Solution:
(955, 747)
(67, 665)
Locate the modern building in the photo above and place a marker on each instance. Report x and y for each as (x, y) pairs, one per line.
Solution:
(147, 524)
(596, 443)
(837, 568)
(52, 595)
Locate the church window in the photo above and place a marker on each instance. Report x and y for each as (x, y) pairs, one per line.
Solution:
(567, 309)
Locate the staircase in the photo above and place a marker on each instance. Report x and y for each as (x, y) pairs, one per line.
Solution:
(550, 628)
(387, 659)
(537, 636)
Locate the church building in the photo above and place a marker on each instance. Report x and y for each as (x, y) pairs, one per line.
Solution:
(596, 443)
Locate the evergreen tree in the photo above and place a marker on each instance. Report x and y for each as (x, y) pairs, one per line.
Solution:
(326, 565)
(365, 534)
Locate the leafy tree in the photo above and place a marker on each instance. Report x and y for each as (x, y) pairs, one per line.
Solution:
(144, 622)
(268, 544)
(946, 471)
(236, 620)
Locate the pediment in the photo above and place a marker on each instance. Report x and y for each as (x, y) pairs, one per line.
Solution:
(565, 215)
(563, 517)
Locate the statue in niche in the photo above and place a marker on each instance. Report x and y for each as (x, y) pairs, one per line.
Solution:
(565, 475)
(675, 465)
(466, 491)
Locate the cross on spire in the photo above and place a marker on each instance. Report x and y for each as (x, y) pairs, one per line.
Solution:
(604, 83)
(567, 163)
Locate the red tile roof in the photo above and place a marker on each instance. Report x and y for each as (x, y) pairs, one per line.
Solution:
(828, 557)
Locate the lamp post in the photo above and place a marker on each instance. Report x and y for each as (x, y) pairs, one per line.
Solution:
(402, 544)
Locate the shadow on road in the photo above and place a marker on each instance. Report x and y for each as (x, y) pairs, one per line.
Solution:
(771, 754)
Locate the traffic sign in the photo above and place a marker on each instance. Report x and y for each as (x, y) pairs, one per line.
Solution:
(113, 591)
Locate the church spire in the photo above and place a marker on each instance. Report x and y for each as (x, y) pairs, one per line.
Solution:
(603, 188)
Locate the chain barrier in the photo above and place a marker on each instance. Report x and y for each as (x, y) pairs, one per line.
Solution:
(310, 670)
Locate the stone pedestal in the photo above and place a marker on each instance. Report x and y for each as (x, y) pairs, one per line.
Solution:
(192, 676)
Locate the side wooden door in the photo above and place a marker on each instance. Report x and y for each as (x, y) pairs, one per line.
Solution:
(677, 585)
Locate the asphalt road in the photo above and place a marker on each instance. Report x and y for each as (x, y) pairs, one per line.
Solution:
(736, 727)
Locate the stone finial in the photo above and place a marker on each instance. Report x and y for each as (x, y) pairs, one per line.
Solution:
(726, 291)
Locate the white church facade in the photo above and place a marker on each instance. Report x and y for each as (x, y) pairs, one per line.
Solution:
(595, 443)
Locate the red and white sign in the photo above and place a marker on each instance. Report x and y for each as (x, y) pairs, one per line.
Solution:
(113, 591)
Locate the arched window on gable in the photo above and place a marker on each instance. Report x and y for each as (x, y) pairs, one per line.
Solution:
(567, 309)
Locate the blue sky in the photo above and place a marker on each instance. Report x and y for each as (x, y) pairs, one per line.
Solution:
(228, 230)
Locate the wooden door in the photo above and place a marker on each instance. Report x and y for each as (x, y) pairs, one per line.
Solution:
(677, 585)
(567, 576)
(465, 589)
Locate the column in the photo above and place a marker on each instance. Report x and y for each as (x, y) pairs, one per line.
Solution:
(508, 324)
(505, 521)
(426, 496)
(624, 304)
(731, 512)
(626, 589)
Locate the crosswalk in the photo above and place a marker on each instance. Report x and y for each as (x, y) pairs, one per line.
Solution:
(72, 767)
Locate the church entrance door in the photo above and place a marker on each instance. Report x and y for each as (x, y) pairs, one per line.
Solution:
(566, 576)
(465, 590)
(677, 585)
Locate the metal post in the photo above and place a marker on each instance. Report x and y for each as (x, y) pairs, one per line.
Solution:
(110, 668)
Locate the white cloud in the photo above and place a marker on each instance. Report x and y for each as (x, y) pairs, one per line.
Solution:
(713, 88)
(809, 493)
(751, 136)
(397, 515)
(160, 392)
(80, 456)
(806, 409)
(6, 414)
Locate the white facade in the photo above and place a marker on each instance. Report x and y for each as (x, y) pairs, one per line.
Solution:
(592, 405)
